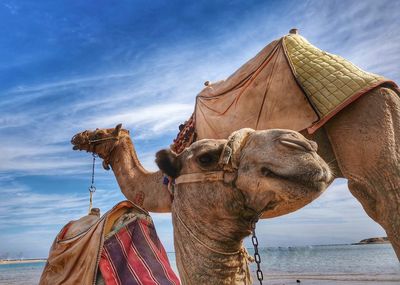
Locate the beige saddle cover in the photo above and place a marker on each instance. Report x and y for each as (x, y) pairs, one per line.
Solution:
(289, 84)
(75, 253)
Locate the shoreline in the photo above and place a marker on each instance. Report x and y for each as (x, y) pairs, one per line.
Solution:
(376, 242)
(38, 260)
(331, 279)
(17, 261)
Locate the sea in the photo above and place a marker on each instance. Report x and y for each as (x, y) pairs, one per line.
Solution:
(311, 265)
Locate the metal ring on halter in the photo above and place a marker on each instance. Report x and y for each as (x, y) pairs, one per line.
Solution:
(92, 189)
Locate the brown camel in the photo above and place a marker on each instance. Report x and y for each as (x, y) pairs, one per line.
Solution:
(271, 172)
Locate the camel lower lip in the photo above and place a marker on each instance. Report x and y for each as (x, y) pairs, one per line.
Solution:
(270, 206)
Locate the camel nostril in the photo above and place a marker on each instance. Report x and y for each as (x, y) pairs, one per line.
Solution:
(296, 144)
(265, 171)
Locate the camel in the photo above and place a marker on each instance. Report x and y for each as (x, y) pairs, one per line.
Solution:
(358, 136)
(221, 189)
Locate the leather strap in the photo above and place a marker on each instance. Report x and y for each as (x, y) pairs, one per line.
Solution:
(200, 177)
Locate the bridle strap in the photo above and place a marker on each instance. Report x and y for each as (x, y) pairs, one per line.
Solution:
(103, 139)
(200, 177)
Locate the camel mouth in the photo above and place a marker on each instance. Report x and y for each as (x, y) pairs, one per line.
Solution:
(316, 178)
(319, 178)
(267, 172)
(271, 205)
(79, 141)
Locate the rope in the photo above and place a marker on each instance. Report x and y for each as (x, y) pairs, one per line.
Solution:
(92, 188)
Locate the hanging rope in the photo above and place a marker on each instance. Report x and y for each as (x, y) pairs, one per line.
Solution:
(92, 188)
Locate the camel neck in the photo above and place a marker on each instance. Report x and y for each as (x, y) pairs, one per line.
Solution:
(201, 260)
(124, 158)
(138, 185)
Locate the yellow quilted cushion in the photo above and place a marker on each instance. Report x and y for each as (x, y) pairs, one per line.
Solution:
(327, 79)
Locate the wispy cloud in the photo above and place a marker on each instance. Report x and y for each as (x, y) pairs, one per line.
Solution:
(158, 117)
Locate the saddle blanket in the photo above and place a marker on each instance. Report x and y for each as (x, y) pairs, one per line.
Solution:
(289, 84)
(135, 256)
(123, 244)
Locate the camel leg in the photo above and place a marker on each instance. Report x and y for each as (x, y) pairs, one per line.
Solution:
(365, 138)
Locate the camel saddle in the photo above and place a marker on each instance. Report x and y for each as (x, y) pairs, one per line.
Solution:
(290, 84)
(122, 244)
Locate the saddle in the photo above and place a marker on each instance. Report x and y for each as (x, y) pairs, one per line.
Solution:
(289, 84)
(121, 247)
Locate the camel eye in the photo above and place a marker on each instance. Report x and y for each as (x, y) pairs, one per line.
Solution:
(206, 159)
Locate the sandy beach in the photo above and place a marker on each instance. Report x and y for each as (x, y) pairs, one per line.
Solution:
(331, 279)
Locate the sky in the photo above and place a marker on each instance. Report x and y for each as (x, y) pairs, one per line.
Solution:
(67, 66)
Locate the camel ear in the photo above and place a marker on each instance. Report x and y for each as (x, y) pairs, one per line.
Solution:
(117, 130)
(168, 163)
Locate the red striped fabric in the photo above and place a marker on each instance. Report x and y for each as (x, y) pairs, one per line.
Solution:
(135, 256)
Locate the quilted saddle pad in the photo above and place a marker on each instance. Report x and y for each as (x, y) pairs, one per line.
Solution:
(329, 81)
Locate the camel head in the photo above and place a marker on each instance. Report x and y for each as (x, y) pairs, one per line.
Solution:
(100, 141)
(255, 173)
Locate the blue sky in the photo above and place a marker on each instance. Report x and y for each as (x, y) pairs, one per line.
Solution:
(67, 66)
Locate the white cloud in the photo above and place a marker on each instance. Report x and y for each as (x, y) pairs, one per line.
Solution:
(156, 117)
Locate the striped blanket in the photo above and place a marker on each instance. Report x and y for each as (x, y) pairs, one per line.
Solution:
(134, 256)
(123, 244)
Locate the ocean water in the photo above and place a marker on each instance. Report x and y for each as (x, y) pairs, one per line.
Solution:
(312, 265)
(21, 273)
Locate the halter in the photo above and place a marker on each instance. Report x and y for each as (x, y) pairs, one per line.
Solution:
(103, 139)
(95, 142)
